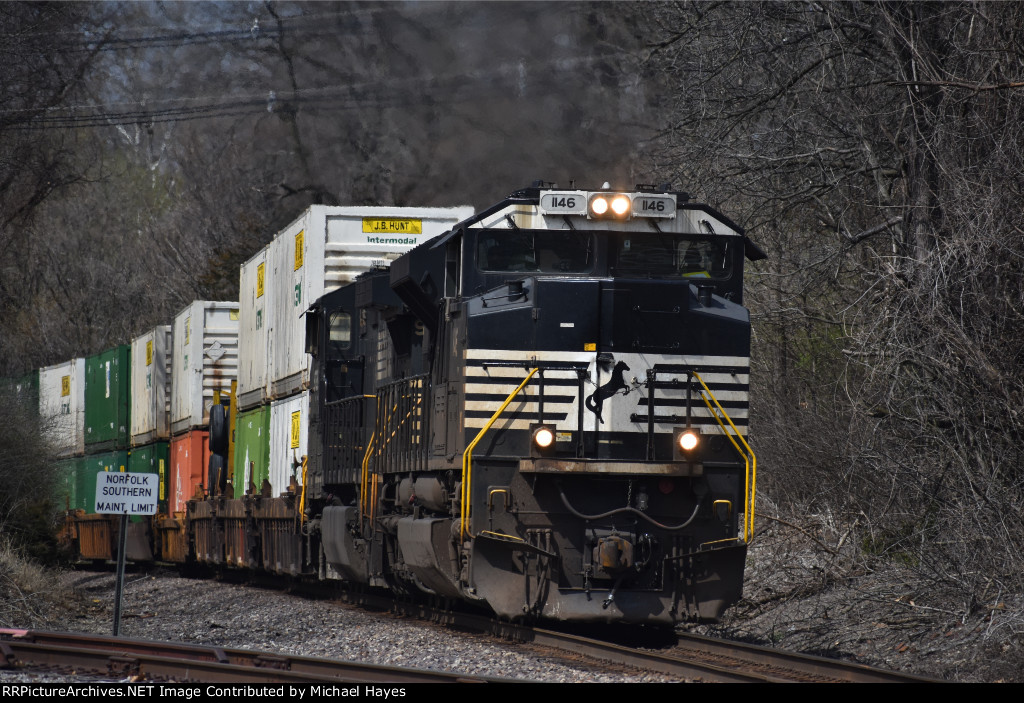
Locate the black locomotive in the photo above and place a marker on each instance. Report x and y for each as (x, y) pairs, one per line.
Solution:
(543, 411)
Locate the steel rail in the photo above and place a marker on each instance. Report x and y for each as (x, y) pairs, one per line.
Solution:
(173, 660)
(693, 658)
(722, 661)
(792, 663)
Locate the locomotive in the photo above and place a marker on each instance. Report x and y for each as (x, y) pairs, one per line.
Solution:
(542, 411)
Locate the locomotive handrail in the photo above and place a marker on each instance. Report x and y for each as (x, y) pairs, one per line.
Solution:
(365, 474)
(407, 396)
(467, 455)
(378, 443)
(302, 496)
(750, 472)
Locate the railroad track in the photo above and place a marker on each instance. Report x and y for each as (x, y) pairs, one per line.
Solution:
(696, 658)
(690, 658)
(145, 660)
(685, 657)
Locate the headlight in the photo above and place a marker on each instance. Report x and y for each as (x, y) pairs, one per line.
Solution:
(543, 437)
(620, 205)
(616, 206)
(688, 440)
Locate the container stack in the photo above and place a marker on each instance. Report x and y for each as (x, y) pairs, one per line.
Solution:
(205, 363)
(151, 407)
(322, 250)
(61, 390)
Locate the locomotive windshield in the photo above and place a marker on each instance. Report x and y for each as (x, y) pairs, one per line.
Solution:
(542, 251)
(671, 256)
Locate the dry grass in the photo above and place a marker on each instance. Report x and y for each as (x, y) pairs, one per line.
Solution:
(810, 589)
(31, 596)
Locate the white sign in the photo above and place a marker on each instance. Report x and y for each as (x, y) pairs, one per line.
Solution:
(563, 202)
(654, 206)
(120, 493)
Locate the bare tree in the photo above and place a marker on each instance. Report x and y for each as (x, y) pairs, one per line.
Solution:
(875, 150)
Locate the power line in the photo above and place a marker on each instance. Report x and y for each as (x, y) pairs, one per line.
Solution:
(351, 96)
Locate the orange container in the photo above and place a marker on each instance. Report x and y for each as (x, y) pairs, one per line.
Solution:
(190, 455)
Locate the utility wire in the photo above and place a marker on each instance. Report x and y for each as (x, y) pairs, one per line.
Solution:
(382, 93)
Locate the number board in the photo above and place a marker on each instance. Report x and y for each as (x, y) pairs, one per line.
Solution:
(563, 202)
(654, 205)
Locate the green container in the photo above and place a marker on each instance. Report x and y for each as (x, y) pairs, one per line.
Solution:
(252, 449)
(94, 464)
(67, 495)
(153, 459)
(108, 383)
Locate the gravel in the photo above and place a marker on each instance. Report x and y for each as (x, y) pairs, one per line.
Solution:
(809, 590)
(806, 590)
(161, 606)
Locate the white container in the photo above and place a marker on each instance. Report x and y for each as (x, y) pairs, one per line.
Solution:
(62, 406)
(322, 250)
(289, 433)
(205, 360)
(254, 325)
(151, 386)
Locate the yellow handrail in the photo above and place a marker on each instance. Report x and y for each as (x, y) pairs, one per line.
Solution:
(365, 474)
(302, 497)
(467, 456)
(750, 472)
(370, 446)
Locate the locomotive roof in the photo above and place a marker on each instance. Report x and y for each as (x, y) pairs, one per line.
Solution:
(523, 209)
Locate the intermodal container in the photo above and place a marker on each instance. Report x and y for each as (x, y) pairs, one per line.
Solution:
(254, 326)
(153, 459)
(151, 386)
(62, 407)
(289, 430)
(190, 457)
(252, 450)
(67, 471)
(205, 360)
(326, 247)
(108, 399)
(91, 466)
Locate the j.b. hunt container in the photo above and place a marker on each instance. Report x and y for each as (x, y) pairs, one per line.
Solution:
(151, 386)
(62, 406)
(205, 360)
(108, 399)
(323, 249)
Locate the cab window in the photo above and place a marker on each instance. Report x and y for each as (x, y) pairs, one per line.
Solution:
(535, 251)
(673, 256)
(340, 333)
